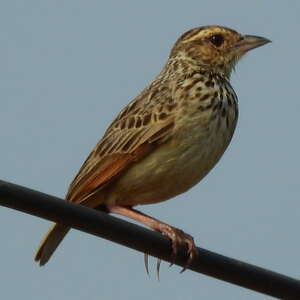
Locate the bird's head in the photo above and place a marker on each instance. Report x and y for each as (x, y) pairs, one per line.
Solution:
(215, 48)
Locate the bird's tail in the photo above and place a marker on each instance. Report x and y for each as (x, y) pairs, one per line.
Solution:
(50, 242)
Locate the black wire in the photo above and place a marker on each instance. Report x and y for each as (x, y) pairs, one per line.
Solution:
(130, 235)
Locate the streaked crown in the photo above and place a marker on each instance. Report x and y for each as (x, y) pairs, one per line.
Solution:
(215, 48)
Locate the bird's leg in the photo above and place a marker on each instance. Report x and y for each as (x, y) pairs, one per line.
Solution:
(177, 237)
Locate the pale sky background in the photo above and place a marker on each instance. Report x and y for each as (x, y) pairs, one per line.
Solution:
(68, 67)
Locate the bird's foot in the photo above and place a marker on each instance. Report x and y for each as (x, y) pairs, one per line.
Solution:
(179, 240)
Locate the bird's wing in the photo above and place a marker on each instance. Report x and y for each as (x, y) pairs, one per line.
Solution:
(138, 130)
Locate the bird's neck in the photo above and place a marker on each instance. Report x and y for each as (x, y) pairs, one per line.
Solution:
(185, 67)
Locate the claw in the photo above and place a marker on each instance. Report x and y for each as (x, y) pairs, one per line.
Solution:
(173, 255)
(179, 240)
(158, 268)
(146, 262)
(192, 253)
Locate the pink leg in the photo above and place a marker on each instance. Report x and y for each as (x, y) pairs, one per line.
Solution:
(178, 238)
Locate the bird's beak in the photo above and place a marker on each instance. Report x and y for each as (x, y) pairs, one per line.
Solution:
(249, 42)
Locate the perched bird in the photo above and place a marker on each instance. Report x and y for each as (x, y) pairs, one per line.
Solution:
(167, 139)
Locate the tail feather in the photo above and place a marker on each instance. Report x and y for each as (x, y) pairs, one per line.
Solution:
(50, 242)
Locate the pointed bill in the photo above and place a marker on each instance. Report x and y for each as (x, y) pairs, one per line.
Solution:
(249, 42)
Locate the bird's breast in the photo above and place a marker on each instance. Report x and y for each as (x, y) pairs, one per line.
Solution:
(203, 129)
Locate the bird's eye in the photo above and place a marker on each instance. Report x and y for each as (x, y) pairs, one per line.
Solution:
(217, 39)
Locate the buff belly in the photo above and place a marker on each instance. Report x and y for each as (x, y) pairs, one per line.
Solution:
(171, 169)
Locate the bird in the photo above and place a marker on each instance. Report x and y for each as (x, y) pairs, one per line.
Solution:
(166, 139)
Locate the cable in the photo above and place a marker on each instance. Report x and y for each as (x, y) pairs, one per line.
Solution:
(141, 239)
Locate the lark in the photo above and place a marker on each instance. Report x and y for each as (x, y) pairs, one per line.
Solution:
(167, 139)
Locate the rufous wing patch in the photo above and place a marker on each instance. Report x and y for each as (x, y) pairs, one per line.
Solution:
(103, 173)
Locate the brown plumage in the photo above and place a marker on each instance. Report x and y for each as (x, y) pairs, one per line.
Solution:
(168, 138)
